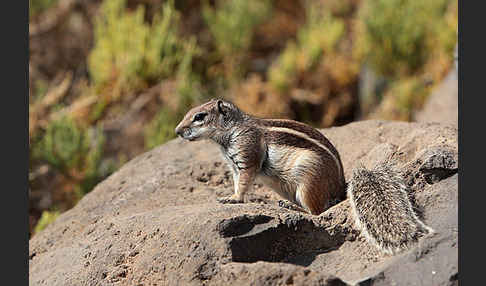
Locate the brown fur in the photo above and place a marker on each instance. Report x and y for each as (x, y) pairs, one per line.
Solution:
(300, 164)
(295, 160)
(382, 209)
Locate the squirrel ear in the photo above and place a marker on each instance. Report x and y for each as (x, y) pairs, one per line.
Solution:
(222, 108)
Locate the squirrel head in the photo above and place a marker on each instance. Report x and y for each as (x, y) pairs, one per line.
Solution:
(208, 120)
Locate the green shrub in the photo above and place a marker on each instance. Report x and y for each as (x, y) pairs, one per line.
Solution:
(161, 127)
(95, 168)
(63, 144)
(39, 90)
(74, 152)
(401, 35)
(408, 43)
(188, 82)
(38, 6)
(232, 24)
(129, 53)
(46, 218)
(318, 37)
(282, 73)
(409, 94)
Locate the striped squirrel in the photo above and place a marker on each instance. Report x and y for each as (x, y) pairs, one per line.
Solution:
(302, 166)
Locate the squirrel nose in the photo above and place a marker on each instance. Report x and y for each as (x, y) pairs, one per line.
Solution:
(178, 131)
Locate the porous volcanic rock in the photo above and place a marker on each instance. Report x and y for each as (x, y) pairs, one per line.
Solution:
(156, 221)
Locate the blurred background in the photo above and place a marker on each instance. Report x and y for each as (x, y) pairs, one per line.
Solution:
(110, 79)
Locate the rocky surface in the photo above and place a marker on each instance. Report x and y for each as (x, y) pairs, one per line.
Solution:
(156, 221)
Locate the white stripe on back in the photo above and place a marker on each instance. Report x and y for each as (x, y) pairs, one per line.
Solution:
(305, 136)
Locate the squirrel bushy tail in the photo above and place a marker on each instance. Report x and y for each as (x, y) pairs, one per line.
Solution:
(382, 209)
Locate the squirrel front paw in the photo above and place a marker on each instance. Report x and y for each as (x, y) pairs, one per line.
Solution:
(229, 200)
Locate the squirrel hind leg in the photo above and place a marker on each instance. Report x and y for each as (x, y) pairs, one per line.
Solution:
(312, 199)
(382, 210)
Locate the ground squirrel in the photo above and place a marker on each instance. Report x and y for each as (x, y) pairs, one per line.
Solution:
(302, 166)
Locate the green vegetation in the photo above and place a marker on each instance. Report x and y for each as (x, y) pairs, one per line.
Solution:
(74, 152)
(95, 168)
(409, 43)
(402, 98)
(38, 6)
(46, 218)
(130, 54)
(150, 61)
(40, 89)
(188, 82)
(311, 45)
(160, 129)
(401, 36)
(63, 144)
(402, 90)
(232, 24)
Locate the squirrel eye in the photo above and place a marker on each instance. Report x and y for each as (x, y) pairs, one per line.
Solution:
(199, 117)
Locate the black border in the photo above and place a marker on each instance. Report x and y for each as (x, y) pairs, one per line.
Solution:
(14, 25)
(471, 111)
(462, 270)
(460, 125)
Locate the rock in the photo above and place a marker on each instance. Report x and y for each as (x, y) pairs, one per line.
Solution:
(156, 221)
